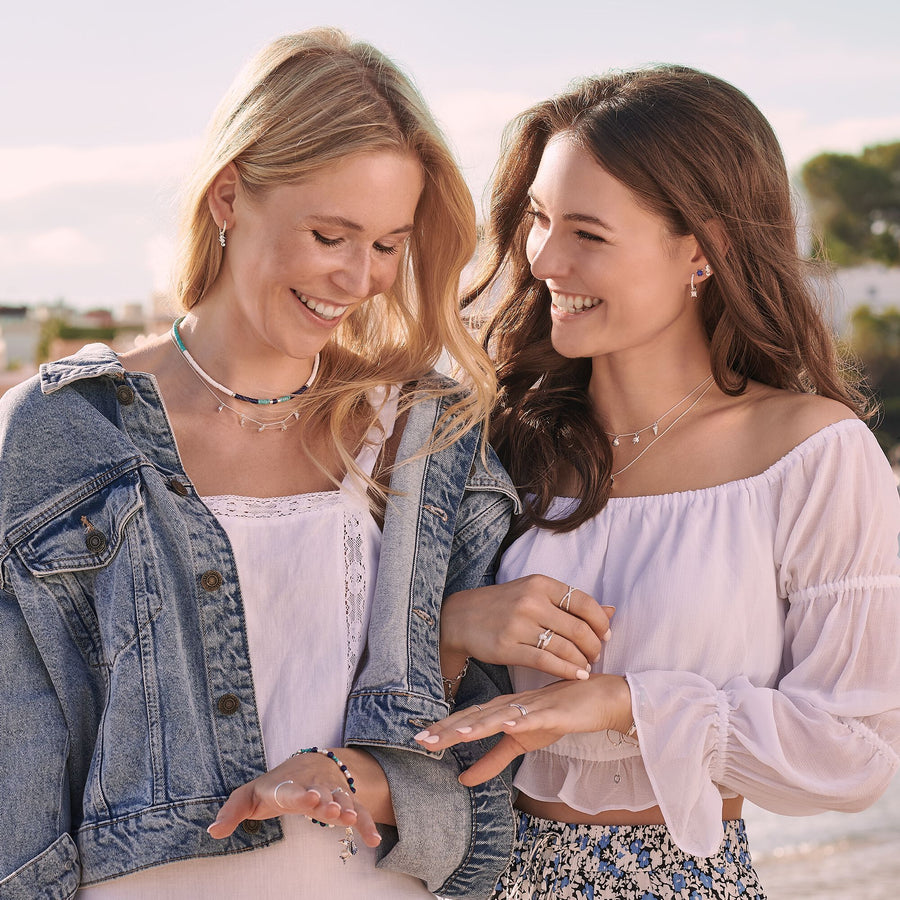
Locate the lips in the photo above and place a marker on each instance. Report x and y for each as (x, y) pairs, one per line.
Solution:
(327, 311)
(573, 303)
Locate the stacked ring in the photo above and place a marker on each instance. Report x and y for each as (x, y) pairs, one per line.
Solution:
(544, 638)
(566, 599)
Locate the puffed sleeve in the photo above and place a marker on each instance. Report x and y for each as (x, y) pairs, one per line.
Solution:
(827, 735)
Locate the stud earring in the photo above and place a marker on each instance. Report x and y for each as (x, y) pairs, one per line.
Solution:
(708, 270)
(222, 233)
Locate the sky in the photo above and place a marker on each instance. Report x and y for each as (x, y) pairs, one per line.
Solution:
(103, 104)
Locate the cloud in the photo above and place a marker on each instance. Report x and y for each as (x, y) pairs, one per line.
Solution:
(56, 247)
(802, 139)
(25, 171)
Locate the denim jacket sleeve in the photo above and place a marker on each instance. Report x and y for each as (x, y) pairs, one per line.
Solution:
(42, 859)
(442, 533)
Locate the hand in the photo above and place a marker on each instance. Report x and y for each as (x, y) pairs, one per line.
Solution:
(564, 707)
(502, 624)
(310, 785)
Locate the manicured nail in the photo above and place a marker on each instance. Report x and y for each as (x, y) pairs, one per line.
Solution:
(431, 739)
(209, 830)
(608, 635)
(464, 729)
(609, 610)
(583, 674)
(421, 735)
(509, 723)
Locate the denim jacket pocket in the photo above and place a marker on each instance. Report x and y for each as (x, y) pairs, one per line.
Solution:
(89, 529)
(76, 554)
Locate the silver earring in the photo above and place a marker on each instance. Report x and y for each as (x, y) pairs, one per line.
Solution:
(222, 233)
(694, 289)
(708, 270)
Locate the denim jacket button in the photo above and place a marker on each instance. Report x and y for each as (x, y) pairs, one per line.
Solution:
(125, 395)
(211, 580)
(228, 704)
(95, 541)
(176, 487)
(251, 826)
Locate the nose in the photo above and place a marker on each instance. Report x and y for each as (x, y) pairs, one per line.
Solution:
(546, 255)
(354, 275)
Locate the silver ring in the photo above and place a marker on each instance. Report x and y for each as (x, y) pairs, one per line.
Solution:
(275, 794)
(520, 708)
(566, 599)
(544, 638)
(479, 708)
(339, 791)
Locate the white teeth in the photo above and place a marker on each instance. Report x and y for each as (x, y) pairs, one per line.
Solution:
(320, 308)
(573, 303)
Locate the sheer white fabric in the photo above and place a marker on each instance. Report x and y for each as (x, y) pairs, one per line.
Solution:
(756, 623)
(307, 567)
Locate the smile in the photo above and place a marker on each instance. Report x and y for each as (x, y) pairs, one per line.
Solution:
(573, 303)
(323, 310)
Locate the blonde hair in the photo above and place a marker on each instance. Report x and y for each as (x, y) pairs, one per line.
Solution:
(302, 104)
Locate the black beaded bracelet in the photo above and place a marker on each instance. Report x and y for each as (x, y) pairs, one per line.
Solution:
(344, 770)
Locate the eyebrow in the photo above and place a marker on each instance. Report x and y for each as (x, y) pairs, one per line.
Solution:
(576, 217)
(341, 222)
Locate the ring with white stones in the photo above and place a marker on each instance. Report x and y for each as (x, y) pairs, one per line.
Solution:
(275, 794)
(520, 708)
(566, 599)
(544, 638)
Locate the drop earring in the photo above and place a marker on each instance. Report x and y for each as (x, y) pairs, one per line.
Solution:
(693, 286)
(222, 232)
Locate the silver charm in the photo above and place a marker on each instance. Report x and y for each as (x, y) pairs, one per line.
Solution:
(636, 439)
(350, 848)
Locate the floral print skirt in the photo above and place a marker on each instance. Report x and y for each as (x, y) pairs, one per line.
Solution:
(623, 862)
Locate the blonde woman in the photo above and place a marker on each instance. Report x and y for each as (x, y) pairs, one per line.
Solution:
(196, 535)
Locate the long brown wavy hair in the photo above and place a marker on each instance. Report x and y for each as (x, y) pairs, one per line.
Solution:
(695, 151)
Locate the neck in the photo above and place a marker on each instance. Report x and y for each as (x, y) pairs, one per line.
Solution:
(627, 396)
(233, 355)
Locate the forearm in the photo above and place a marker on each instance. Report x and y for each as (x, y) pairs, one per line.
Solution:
(371, 784)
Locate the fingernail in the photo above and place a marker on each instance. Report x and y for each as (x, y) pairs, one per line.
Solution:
(314, 791)
(431, 739)
(583, 674)
(421, 735)
(608, 635)
(465, 729)
(209, 830)
(509, 723)
(609, 610)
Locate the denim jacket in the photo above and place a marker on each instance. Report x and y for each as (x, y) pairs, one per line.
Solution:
(127, 711)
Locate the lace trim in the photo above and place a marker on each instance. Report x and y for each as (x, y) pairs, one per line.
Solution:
(355, 590)
(237, 507)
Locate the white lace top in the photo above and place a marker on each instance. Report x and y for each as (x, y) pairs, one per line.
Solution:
(757, 624)
(307, 567)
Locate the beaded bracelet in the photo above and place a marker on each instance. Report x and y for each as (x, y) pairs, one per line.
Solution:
(344, 771)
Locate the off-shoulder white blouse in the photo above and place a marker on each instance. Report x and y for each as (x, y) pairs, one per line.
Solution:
(757, 624)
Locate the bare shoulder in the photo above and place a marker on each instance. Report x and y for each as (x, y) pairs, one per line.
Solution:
(789, 417)
(150, 357)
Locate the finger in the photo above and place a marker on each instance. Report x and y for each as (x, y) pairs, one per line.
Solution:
(586, 623)
(366, 828)
(492, 763)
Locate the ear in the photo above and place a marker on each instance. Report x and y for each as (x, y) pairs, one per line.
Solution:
(221, 195)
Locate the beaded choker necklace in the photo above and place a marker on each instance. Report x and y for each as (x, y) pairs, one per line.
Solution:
(257, 401)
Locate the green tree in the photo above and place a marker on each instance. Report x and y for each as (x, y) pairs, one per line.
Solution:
(855, 204)
(875, 340)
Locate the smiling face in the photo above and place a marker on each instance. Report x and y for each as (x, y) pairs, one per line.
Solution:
(619, 281)
(299, 258)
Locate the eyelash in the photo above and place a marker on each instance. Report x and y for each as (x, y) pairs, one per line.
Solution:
(538, 216)
(333, 242)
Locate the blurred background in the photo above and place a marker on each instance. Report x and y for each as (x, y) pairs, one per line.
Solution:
(103, 106)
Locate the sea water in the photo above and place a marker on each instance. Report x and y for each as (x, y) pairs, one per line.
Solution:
(851, 856)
